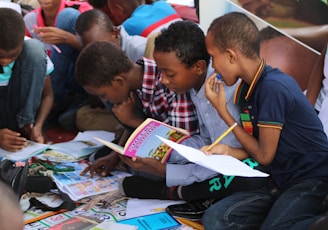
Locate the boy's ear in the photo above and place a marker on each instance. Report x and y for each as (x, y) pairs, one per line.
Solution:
(118, 80)
(116, 33)
(231, 54)
(200, 66)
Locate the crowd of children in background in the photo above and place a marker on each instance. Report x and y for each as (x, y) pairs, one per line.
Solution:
(113, 63)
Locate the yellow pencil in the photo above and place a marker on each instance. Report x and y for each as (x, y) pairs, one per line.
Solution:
(222, 136)
(190, 223)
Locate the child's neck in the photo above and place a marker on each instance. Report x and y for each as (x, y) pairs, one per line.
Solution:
(201, 81)
(250, 70)
(50, 17)
(136, 76)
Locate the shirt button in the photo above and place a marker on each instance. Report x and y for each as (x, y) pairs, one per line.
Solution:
(250, 107)
(252, 117)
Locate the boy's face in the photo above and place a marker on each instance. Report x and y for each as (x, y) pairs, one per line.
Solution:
(220, 61)
(49, 5)
(175, 75)
(96, 34)
(6, 57)
(109, 93)
(116, 12)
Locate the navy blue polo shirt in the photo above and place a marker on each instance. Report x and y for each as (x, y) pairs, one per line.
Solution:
(275, 100)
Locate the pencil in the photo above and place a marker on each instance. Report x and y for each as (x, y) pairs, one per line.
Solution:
(222, 136)
(190, 223)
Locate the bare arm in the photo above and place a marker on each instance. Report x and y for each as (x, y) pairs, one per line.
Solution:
(262, 150)
(126, 112)
(54, 35)
(222, 149)
(315, 80)
(45, 107)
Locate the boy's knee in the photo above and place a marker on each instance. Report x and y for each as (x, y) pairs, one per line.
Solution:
(211, 218)
(66, 19)
(34, 51)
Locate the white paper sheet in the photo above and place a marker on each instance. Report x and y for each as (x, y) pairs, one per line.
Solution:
(223, 164)
(140, 207)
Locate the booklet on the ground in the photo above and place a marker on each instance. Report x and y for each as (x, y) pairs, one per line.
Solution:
(78, 187)
(161, 220)
(223, 164)
(81, 146)
(144, 143)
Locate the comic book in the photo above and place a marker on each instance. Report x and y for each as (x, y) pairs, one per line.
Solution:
(144, 143)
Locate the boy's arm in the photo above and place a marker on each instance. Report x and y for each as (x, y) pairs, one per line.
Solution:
(262, 150)
(11, 140)
(105, 164)
(126, 112)
(54, 35)
(315, 80)
(45, 107)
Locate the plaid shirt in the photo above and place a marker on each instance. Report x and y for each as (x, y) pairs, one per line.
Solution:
(164, 105)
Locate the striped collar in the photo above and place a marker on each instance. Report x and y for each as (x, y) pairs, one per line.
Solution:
(244, 91)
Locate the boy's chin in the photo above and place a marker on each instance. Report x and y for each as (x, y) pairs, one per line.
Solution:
(178, 91)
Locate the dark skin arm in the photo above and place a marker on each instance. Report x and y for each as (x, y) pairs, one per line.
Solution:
(11, 140)
(104, 165)
(45, 107)
(146, 165)
(54, 35)
(125, 112)
(315, 81)
(262, 150)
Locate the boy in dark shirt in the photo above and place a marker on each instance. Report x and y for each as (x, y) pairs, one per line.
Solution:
(279, 129)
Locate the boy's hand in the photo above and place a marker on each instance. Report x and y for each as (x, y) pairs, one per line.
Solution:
(147, 165)
(51, 34)
(126, 112)
(102, 166)
(214, 91)
(219, 149)
(36, 135)
(11, 141)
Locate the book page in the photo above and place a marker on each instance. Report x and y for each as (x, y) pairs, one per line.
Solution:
(117, 148)
(78, 187)
(30, 150)
(83, 144)
(144, 143)
(223, 164)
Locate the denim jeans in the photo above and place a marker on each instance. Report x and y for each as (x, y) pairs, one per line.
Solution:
(62, 78)
(296, 207)
(21, 98)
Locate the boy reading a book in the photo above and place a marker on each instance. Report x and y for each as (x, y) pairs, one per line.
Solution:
(95, 25)
(133, 91)
(183, 61)
(280, 129)
(25, 88)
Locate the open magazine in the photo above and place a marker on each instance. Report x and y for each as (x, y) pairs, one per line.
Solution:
(144, 143)
(81, 146)
(78, 187)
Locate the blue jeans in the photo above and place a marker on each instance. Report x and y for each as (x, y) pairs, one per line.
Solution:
(62, 78)
(21, 98)
(296, 207)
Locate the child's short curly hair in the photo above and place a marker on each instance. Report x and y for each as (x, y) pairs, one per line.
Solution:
(12, 29)
(236, 30)
(186, 39)
(99, 62)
